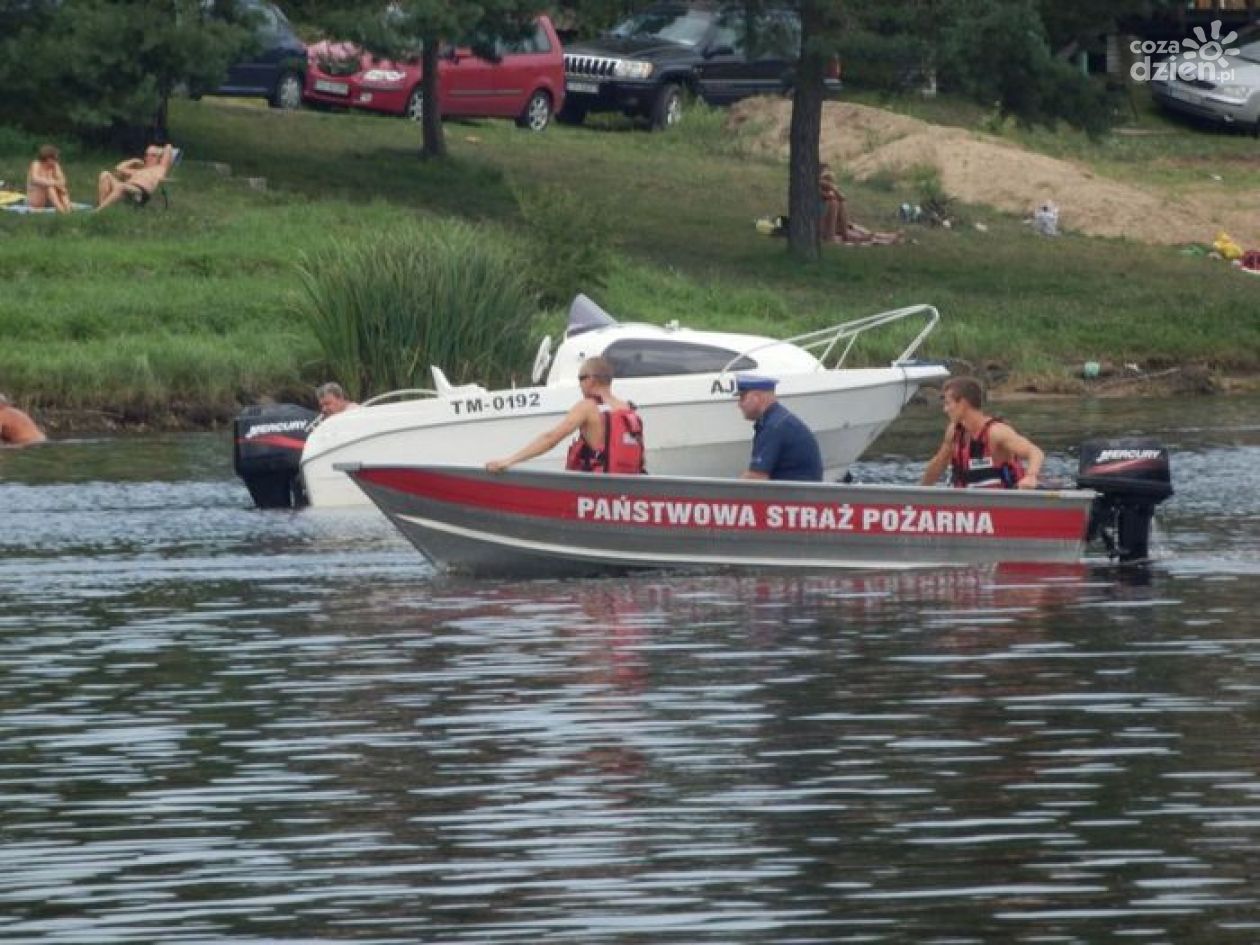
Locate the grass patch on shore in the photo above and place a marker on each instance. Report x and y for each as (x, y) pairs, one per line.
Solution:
(190, 310)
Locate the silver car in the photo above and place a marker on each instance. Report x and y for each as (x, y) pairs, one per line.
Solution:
(1224, 90)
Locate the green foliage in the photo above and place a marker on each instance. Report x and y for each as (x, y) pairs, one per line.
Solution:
(890, 46)
(570, 245)
(1085, 22)
(385, 307)
(589, 18)
(18, 144)
(103, 69)
(999, 52)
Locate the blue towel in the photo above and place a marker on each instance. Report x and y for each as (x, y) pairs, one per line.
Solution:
(26, 208)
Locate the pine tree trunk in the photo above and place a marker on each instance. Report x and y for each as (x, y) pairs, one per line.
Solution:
(434, 139)
(807, 102)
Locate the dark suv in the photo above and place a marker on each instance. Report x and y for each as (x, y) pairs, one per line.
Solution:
(277, 71)
(646, 64)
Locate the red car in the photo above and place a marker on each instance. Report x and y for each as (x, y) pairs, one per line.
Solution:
(525, 80)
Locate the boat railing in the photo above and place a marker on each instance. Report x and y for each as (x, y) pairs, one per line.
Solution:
(828, 339)
(410, 393)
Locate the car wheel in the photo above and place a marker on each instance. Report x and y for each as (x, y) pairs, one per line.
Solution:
(415, 104)
(288, 93)
(537, 113)
(667, 109)
(571, 114)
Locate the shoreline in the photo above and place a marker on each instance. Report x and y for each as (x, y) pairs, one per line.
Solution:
(1182, 381)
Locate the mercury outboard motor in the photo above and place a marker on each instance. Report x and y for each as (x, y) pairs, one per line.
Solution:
(267, 453)
(1131, 477)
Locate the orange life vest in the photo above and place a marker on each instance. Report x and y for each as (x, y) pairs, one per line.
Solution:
(622, 451)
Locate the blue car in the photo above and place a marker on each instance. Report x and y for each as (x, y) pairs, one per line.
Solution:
(277, 71)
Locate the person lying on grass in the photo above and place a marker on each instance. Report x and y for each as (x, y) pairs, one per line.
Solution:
(136, 179)
(834, 225)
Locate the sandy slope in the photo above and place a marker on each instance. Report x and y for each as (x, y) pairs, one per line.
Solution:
(981, 169)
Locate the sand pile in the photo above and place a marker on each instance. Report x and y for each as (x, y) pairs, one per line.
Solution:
(861, 141)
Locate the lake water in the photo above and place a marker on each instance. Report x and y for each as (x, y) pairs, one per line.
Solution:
(222, 724)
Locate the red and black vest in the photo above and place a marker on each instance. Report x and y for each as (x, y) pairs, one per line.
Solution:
(972, 466)
(622, 451)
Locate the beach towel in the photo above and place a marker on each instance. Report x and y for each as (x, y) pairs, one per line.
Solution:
(23, 207)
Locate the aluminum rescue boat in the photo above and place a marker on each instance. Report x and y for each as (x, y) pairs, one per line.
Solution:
(560, 523)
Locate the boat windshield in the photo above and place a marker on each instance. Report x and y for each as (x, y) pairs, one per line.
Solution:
(674, 24)
(636, 357)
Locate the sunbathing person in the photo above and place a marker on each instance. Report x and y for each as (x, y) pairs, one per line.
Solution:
(46, 182)
(834, 225)
(16, 426)
(136, 179)
(856, 234)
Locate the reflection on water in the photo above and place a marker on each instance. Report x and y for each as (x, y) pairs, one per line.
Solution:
(223, 724)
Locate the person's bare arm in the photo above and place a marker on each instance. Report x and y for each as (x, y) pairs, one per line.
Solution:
(37, 177)
(1025, 450)
(544, 442)
(129, 165)
(940, 460)
(753, 474)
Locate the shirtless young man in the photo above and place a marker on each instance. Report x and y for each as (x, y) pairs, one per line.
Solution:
(46, 182)
(980, 450)
(16, 428)
(137, 178)
(588, 418)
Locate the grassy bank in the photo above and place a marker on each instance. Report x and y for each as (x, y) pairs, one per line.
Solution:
(180, 315)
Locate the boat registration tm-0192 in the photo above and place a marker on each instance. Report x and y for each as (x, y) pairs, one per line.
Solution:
(496, 403)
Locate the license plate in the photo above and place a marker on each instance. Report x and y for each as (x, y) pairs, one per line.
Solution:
(336, 88)
(590, 87)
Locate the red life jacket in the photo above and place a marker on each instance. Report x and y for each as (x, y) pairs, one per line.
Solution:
(622, 451)
(972, 466)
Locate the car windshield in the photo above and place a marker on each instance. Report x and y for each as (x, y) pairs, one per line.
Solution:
(675, 24)
(1250, 51)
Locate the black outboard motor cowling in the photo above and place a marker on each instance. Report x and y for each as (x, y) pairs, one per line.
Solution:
(267, 452)
(1131, 476)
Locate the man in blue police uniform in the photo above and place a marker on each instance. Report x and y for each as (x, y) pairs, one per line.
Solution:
(783, 447)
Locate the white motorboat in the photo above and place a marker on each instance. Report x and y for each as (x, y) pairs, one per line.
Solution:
(681, 380)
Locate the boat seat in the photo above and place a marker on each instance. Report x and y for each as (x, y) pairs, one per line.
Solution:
(445, 388)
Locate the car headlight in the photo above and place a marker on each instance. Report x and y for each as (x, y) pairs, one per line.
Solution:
(632, 69)
(1232, 91)
(383, 75)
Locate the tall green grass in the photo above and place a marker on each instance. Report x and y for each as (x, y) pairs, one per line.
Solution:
(384, 308)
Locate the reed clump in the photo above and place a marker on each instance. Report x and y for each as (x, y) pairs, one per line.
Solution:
(383, 308)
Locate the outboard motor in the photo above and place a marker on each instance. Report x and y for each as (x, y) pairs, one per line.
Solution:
(267, 452)
(1131, 476)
